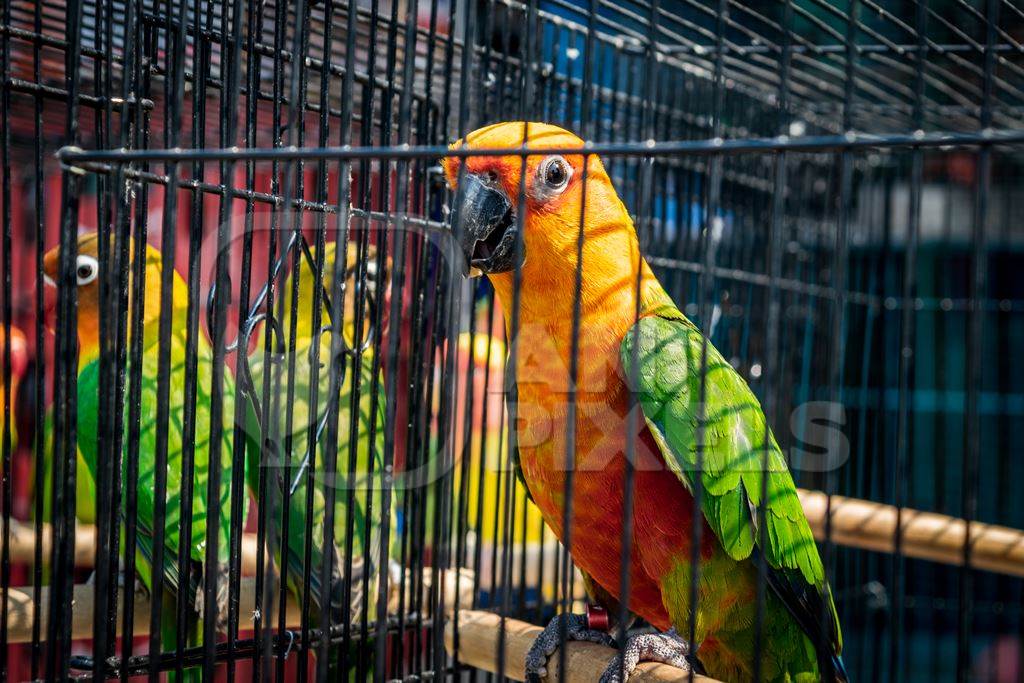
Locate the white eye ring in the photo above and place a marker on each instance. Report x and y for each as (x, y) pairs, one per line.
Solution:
(553, 176)
(87, 269)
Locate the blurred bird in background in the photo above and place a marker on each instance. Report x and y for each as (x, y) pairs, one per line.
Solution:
(299, 365)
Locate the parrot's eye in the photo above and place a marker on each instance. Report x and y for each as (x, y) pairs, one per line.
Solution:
(554, 174)
(87, 269)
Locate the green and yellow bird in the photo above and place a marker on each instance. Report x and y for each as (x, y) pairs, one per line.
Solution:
(145, 452)
(358, 462)
(637, 350)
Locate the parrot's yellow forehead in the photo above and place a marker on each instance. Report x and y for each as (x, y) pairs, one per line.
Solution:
(509, 135)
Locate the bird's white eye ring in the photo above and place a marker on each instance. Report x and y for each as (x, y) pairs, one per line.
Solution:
(553, 176)
(87, 269)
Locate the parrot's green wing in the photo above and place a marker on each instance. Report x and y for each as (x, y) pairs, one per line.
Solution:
(146, 453)
(667, 350)
(85, 487)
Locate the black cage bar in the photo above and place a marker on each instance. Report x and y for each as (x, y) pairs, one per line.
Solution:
(831, 190)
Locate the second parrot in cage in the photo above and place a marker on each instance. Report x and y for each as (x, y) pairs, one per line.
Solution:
(639, 393)
(86, 279)
(358, 459)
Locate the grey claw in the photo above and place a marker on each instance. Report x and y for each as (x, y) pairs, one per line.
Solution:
(550, 638)
(667, 648)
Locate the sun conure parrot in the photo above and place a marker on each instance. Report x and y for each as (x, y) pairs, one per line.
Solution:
(367, 449)
(648, 349)
(87, 271)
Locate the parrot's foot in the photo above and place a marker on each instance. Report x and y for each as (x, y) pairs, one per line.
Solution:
(667, 648)
(576, 628)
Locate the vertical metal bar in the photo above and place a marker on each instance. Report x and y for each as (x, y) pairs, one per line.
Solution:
(294, 185)
(772, 359)
(712, 234)
(254, 66)
(314, 359)
(272, 484)
(7, 482)
(837, 354)
(230, 114)
(42, 459)
(571, 417)
(65, 380)
(107, 459)
(313, 396)
(175, 40)
(397, 274)
(185, 612)
(975, 348)
(221, 293)
(644, 213)
(337, 360)
(134, 86)
(906, 356)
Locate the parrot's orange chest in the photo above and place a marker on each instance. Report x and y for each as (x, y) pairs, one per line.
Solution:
(662, 507)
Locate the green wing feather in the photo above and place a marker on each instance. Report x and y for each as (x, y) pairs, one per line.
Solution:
(146, 455)
(667, 350)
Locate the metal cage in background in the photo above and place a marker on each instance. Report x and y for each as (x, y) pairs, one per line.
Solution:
(830, 189)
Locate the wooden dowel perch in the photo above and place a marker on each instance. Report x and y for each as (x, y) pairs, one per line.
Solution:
(479, 634)
(855, 523)
(23, 539)
(19, 614)
(925, 535)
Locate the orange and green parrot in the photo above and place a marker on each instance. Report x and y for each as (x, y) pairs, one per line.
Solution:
(86, 280)
(635, 348)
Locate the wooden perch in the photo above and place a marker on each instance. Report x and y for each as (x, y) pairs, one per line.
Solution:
(855, 523)
(19, 614)
(23, 539)
(479, 634)
(925, 535)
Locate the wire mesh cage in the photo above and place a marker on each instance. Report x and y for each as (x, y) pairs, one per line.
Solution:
(236, 237)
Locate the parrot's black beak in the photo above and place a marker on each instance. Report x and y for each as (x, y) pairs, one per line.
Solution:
(487, 226)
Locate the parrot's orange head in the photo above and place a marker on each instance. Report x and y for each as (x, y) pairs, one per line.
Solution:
(86, 280)
(87, 270)
(551, 211)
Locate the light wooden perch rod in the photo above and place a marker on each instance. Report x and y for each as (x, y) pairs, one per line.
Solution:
(855, 523)
(925, 535)
(19, 612)
(480, 633)
(23, 539)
